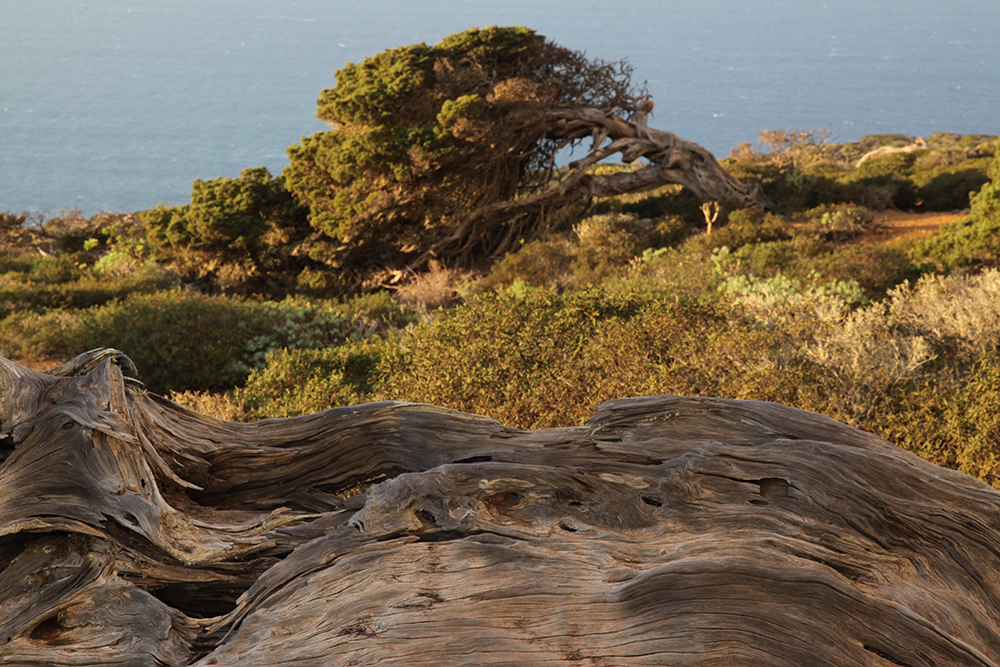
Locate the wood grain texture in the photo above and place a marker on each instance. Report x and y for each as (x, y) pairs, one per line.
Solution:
(664, 531)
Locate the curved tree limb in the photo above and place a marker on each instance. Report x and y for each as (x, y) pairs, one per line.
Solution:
(669, 160)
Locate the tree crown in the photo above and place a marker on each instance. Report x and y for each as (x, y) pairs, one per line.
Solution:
(421, 135)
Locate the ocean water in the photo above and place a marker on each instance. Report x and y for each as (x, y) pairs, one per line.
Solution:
(118, 105)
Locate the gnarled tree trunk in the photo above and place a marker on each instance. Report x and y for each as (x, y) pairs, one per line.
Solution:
(664, 531)
(669, 160)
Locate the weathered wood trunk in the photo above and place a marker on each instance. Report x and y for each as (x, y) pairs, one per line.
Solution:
(665, 531)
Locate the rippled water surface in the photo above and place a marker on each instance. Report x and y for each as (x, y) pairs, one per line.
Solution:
(120, 104)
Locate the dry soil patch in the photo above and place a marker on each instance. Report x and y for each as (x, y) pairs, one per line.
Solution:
(897, 225)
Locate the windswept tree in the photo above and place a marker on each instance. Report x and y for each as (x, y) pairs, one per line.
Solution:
(448, 151)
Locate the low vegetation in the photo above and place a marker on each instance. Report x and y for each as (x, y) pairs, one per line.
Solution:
(236, 303)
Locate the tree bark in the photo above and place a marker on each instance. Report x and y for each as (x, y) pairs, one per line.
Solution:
(664, 531)
(669, 160)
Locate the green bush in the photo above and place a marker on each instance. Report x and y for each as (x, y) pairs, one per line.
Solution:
(177, 341)
(229, 216)
(601, 246)
(974, 241)
(182, 341)
(122, 245)
(837, 222)
(953, 424)
(671, 230)
(676, 273)
(877, 268)
(606, 244)
(17, 262)
(746, 226)
(891, 164)
(53, 285)
(951, 190)
(377, 311)
(971, 241)
(543, 263)
(973, 422)
(299, 382)
(27, 334)
(537, 358)
(780, 301)
(764, 259)
(38, 269)
(237, 232)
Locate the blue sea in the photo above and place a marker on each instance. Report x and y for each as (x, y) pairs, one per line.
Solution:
(118, 105)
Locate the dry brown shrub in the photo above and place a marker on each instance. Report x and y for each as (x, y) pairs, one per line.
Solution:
(436, 288)
(878, 347)
(965, 309)
(219, 405)
(792, 148)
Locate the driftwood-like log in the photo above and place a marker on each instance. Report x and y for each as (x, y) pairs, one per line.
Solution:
(664, 531)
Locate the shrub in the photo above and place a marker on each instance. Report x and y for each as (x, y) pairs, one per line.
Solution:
(432, 289)
(238, 233)
(543, 263)
(972, 422)
(53, 285)
(870, 356)
(876, 268)
(601, 245)
(606, 243)
(745, 226)
(537, 358)
(375, 312)
(880, 192)
(25, 334)
(780, 300)
(837, 222)
(962, 309)
(971, 241)
(940, 324)
(762, 259)
(794, 148)
(299, 382)
(221, 405)
(951, 190)
(953, 424)
(899, 164)
(974, 240)
(181, 341)
(177, 341)
(671, 230)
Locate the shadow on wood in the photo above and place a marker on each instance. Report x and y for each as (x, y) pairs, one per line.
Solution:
(665, 531)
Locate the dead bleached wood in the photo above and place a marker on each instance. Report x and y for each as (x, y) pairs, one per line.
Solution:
(664, 531)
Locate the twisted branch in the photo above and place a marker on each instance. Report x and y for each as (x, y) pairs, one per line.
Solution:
(670, 160)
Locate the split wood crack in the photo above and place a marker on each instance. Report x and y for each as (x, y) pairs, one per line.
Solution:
(136, 532)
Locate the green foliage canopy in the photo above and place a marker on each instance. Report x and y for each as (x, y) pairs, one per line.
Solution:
(250, 221)
(974, 240)
(422, 135)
